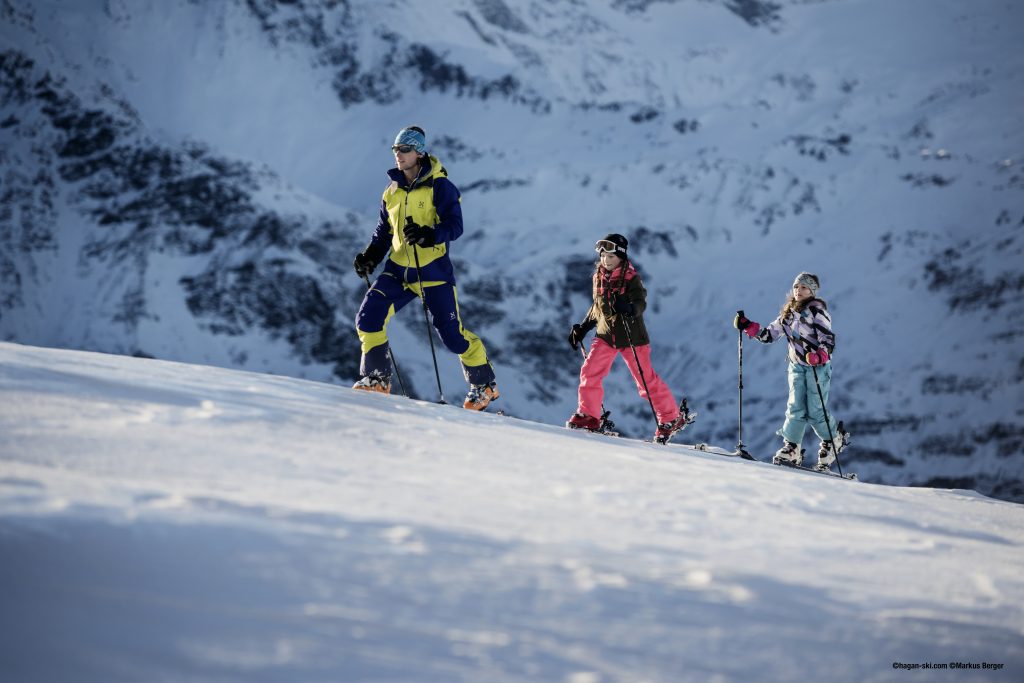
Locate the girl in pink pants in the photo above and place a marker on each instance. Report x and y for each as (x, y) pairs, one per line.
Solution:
(617, 313)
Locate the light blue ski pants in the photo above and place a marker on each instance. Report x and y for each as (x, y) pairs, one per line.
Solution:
(804, 406)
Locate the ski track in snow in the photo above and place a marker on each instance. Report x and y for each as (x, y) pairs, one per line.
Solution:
(162, 521)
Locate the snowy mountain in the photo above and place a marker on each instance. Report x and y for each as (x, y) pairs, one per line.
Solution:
(189, 181)
(164, 521)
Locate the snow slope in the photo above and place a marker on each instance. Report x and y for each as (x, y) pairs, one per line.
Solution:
(163, 521)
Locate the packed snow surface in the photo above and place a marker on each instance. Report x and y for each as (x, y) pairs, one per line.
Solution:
(163, 521)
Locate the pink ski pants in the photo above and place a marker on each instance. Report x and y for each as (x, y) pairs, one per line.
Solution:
(599, 363)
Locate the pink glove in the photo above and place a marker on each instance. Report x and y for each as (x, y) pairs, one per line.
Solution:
(744, 324)
(819, 357)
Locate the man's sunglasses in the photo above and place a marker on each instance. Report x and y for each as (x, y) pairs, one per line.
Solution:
(606, 245)
(404, 149)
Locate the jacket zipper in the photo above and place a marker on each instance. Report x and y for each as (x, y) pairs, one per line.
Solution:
(405, 214)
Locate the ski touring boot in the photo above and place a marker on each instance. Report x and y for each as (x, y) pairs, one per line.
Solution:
(830, 448)
(374, 382)
(581, 421)
(790, 454)
(667, 430)
(590, 423)
(480, 396)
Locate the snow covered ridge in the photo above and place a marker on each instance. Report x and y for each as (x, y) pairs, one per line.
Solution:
(518, 37)
(190, 180)
(170, 521)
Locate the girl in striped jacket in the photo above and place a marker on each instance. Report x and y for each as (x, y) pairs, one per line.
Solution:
(807, 327)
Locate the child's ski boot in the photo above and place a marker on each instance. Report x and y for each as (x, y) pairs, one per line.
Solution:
(790, 454)
(592, 424)
(829, 449)
(581, 421)
(668, 430)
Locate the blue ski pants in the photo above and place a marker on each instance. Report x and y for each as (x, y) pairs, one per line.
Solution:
(388, 295)
(805, 406)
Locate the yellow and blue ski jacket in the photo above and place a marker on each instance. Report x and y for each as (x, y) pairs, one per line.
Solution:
(431, 200)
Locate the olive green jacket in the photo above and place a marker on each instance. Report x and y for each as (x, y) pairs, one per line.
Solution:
(618, 329)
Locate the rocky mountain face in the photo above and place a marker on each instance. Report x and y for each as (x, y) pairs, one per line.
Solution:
(191, 182)
(90, 200)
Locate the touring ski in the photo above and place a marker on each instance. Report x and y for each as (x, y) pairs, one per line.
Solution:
(705, 448)
(716, 450)
(850, 476)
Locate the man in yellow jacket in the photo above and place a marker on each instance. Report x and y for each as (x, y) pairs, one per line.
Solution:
(420, 214)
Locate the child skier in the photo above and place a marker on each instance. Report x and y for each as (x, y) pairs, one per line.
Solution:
(617, 313)
(806, 324)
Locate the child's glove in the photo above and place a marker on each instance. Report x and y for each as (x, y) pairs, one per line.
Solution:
(819, 357)
(623, 305)
(741, 323)
(578, 332)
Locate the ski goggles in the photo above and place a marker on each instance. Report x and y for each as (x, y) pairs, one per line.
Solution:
(404, 149)
(608, 245)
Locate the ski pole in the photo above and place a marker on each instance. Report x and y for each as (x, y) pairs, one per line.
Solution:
(423, 292)
(740, 450)
(391, 354)
(828, 422)
(423, 300)
(629, 338)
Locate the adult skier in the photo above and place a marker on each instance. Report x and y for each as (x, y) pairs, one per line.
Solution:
(420, 214)
(805, 323)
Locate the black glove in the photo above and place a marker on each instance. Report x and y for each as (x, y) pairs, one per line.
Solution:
(578, 332)
(366, 260)
(418, 234)
(623, 305)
